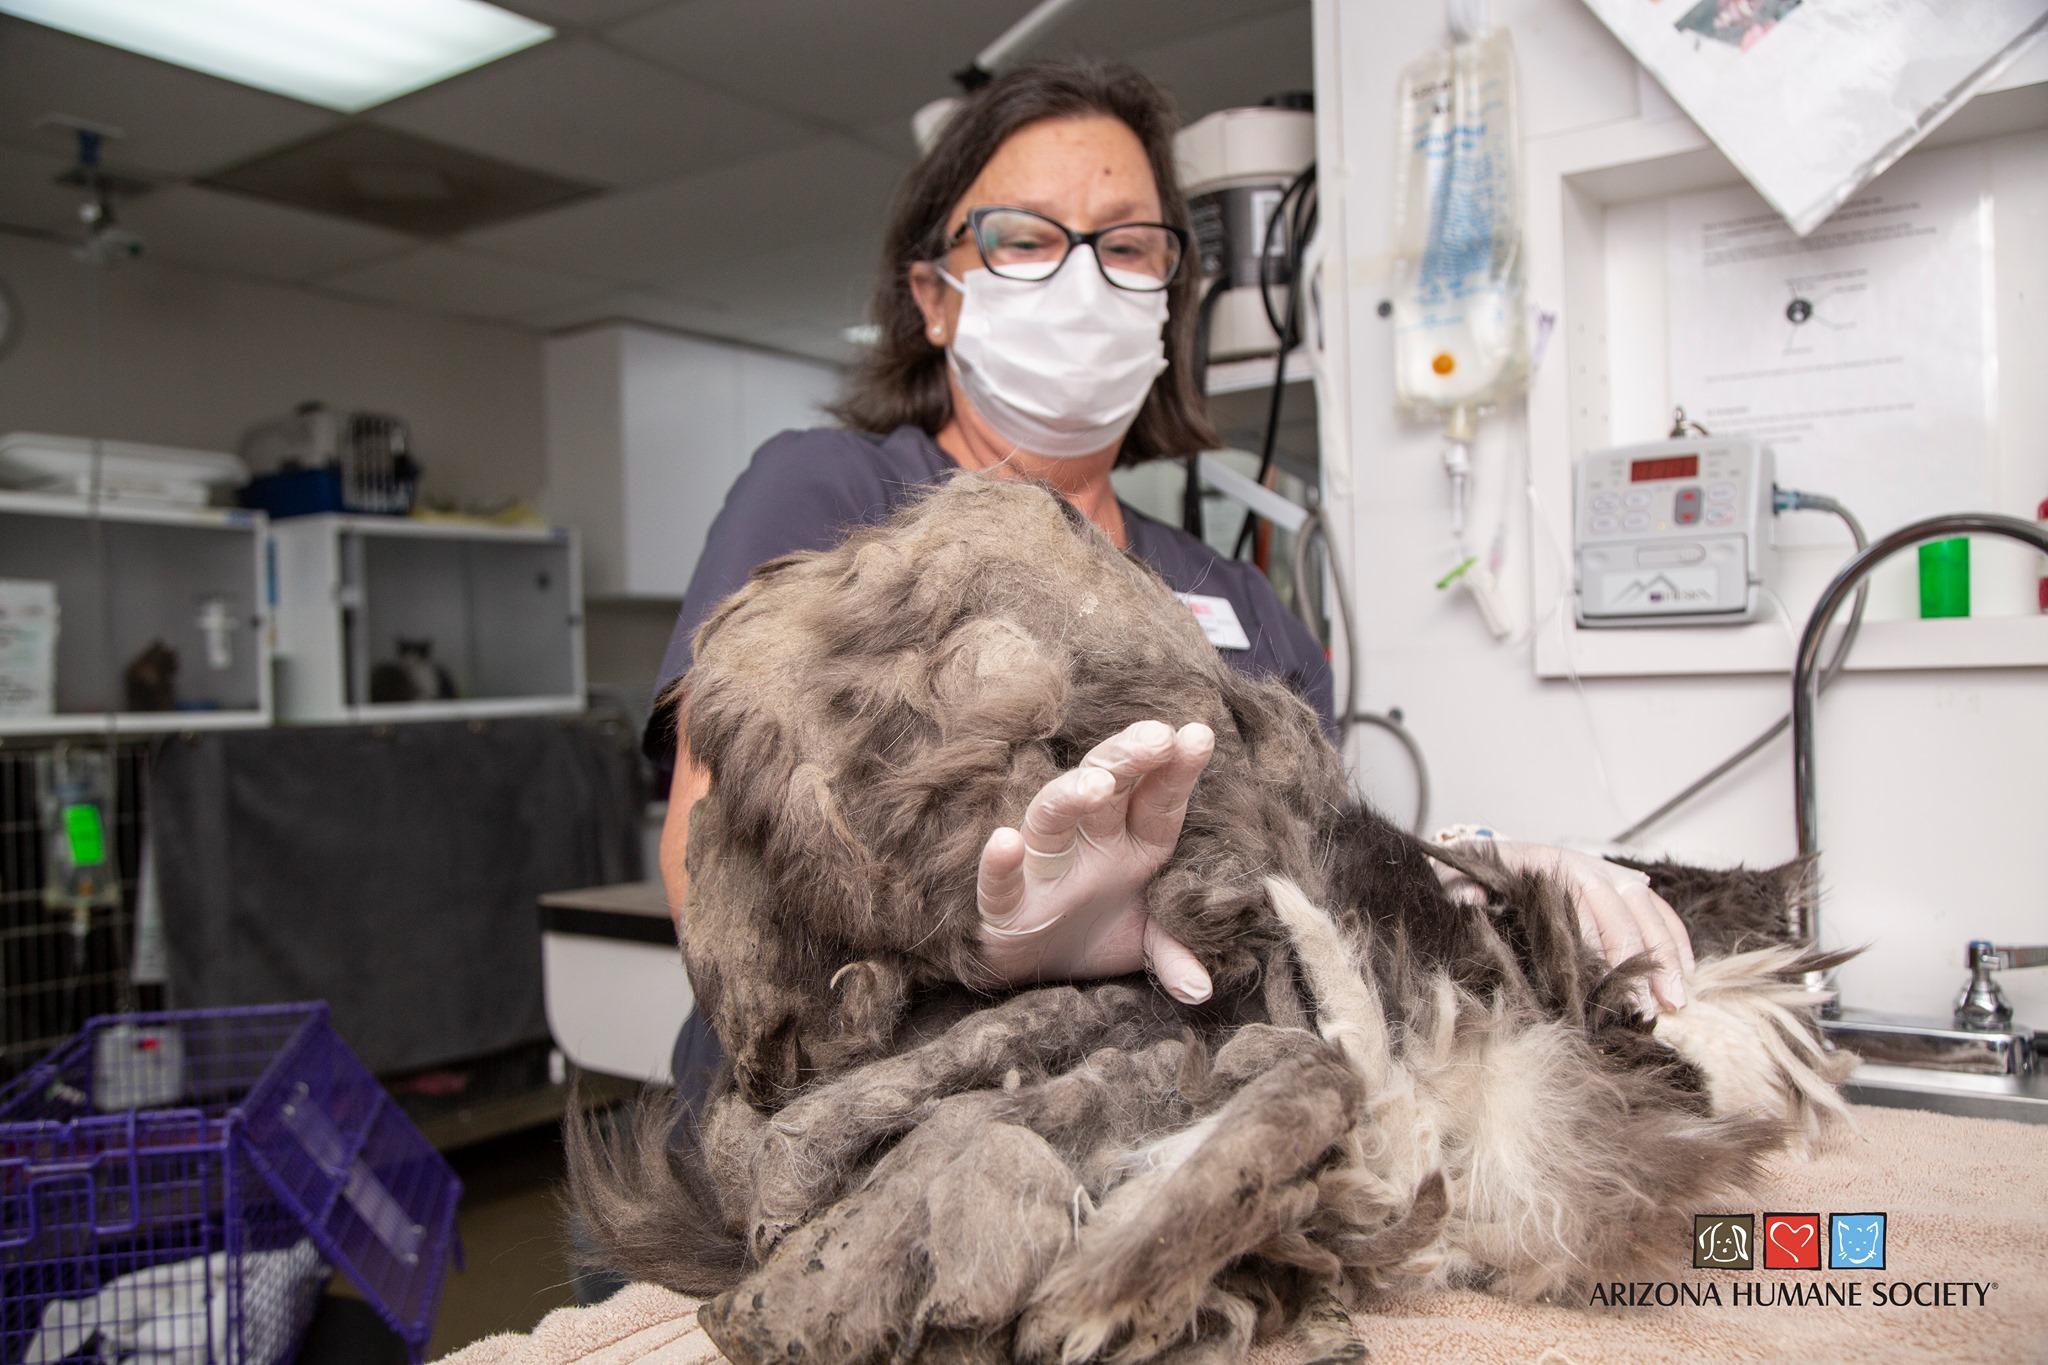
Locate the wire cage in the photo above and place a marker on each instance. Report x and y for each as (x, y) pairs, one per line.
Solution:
(177, 1186)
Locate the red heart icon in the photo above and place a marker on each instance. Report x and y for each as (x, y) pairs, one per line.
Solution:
(1804, 1238)
(1792, 1241)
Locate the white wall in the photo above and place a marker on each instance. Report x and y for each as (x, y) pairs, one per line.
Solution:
(647, 429)
(1931, 789)
(191, 359)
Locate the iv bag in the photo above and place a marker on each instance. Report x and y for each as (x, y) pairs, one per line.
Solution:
(1460, 343)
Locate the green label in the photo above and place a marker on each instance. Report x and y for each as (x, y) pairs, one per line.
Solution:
(87, 838)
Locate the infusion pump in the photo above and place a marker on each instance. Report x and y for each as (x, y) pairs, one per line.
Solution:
(1672, 533)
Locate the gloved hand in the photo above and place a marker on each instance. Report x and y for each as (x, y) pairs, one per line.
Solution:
(1062, 898)
(1618, 912)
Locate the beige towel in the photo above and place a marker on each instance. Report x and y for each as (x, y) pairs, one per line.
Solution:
(1966, 1199)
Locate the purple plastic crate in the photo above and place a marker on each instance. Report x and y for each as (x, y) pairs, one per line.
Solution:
(184, 1182)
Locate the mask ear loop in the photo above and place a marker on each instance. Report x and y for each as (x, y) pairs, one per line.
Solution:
(962, 290)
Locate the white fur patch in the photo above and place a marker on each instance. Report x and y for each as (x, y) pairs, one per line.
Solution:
(1746, 1028)
(1529, 1132)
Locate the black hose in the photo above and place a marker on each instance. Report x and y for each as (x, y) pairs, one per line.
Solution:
(1191, 496)
(1298, 207)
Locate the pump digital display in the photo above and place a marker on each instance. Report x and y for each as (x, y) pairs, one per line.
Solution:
(1664, 467)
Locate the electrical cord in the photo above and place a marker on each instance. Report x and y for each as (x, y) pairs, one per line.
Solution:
(1191, 518)
(1297, 207)
(1312, 530)
(1783, 500)
(1392, 722)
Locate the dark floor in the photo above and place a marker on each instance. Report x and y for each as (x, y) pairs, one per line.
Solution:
(516, 1257)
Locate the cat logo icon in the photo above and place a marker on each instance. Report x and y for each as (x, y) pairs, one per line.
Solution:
(1856, 1241)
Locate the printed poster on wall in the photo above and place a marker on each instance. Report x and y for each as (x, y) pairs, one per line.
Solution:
(1864, 354)
(1813, 98)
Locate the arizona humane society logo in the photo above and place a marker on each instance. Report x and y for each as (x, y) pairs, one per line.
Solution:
(1791, 1241)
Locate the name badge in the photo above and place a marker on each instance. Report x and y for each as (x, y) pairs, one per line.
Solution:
(1218, 620)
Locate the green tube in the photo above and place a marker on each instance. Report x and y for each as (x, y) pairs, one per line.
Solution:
(1945, 577)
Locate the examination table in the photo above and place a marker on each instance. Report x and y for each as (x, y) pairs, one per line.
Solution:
(1966, 1206)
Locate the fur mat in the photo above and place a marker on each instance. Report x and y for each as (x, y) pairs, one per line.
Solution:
(1388, 1091)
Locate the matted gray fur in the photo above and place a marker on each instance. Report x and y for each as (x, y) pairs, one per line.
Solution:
(1388, 1087)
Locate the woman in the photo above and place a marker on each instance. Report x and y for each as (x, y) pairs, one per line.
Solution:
(1036, 315)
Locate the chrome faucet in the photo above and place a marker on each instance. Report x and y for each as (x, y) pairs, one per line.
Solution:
(1982, 1005)
(1979, 1061)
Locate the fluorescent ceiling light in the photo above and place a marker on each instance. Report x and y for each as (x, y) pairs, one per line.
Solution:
(341, 54)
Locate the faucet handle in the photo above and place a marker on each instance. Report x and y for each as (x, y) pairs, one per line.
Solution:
(1998, 957)
(1981, 1005)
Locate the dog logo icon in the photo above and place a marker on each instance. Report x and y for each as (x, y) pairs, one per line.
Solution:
(1856, 1241)
(1723, 1241)
(1791, 1241)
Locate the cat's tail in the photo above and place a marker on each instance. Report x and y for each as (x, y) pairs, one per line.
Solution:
(642, 1201)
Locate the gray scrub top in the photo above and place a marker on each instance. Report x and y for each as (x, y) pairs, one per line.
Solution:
(804, 490)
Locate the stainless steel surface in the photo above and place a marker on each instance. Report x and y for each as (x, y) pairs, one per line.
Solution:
(1806, 918)
(1900, 1040)
(2022, 1098)
(1980, 1063)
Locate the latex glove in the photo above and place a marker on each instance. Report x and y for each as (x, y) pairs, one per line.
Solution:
(1062, 897)
(1618, 912)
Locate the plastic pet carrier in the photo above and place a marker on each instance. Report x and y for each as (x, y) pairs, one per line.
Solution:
(322, 459)
(177, 1187)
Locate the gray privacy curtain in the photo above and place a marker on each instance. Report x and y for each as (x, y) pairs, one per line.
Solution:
(389, 870)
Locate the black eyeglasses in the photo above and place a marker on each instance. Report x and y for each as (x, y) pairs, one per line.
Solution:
(1017, 244)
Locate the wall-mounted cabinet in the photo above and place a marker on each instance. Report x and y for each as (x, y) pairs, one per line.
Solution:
(646, 432)
(159, 617)
(384, 618)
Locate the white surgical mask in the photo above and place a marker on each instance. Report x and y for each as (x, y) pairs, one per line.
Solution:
(1058, 367)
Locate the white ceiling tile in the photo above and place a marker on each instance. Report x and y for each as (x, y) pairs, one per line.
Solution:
(575, 14)
(812, 193)
(444, 280)
(1128, 26)
(819, 343)
(845, 63)
(1234, 64)
(583, 110)
(634, 305)
(213, 230)
(178, 122)
(29, 196)
(891, 136)
(823, 284)
(659, 309)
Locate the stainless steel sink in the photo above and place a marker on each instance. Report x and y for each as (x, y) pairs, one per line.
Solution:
(2022, 1098)
(1913, 1063)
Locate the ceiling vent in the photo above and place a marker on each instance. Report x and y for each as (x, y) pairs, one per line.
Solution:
(396, 180)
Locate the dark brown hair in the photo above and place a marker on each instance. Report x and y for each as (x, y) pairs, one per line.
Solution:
(902, 377)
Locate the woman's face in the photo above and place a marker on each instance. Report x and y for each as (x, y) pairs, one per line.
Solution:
(1084, 172)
